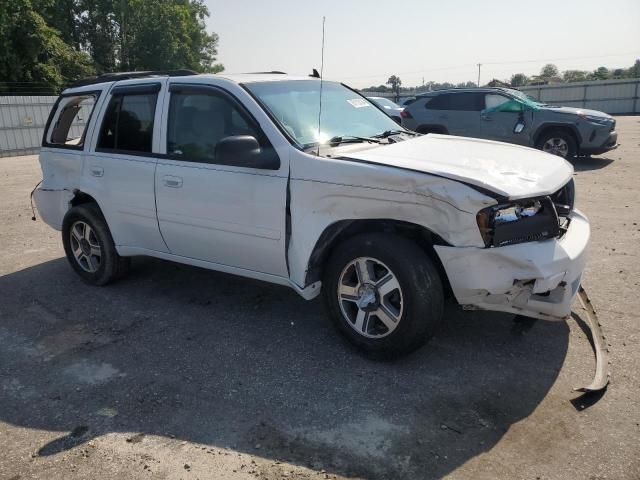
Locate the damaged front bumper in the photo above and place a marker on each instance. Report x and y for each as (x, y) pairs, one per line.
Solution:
(535, 279)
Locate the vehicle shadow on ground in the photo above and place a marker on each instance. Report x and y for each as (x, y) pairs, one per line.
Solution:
(206, 357)
(585, 164)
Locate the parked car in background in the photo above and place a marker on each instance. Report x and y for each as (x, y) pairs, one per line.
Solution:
(390, 108)
(509, 115)
(404, 101)
(234, 173)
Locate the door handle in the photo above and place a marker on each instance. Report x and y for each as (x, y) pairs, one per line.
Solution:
(173, 182)
(486, 118)
(97, 171)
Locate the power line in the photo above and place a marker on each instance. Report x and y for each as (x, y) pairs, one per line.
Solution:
(510, 62)
(514, 62)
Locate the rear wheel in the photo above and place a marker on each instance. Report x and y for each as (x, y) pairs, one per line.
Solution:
(383, 293)
(558, 142)
(89, 246)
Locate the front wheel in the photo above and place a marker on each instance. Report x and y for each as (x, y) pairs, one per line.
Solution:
(558, 142)
(383, 293)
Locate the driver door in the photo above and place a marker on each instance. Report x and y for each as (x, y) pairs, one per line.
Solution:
(499, 118)
(212, 208)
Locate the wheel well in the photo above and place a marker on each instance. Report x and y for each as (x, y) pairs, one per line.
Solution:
(81, 197)
(432, 129)
(338, 232)
(550, 128)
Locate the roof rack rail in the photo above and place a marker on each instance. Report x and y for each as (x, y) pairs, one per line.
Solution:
(113, 77)
(272, 71)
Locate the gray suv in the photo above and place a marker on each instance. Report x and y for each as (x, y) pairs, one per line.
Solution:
(508, 115)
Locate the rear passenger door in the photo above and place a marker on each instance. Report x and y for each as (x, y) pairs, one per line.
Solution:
(459, 112)
(220, 209)
(119, 170)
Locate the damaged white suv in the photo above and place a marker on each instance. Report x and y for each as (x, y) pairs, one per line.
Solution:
(253, 175)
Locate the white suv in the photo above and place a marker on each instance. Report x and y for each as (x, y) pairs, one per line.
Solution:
(244, 174)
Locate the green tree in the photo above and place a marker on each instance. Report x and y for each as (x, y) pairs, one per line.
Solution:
(33, 51)
(518, 80)
(575, 75)
(619, 73)
(395, 83)
(148, 35)
(634, 71)
(601, 73)
(98, 33)
(549, 71)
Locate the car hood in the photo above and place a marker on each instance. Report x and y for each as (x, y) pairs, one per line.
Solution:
(509, 170)
(575, 111)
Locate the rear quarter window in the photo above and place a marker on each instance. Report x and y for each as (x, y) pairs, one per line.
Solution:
(68, 125)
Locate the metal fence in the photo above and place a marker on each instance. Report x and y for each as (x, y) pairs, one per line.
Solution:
(610, 96)
(22, 121)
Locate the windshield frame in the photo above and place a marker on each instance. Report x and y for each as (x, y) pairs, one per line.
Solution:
(290, 138)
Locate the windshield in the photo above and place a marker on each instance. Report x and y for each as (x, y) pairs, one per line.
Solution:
(295, 105)
(383, 102)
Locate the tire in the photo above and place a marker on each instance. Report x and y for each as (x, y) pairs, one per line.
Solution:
(85, 232)
(416, 305)
(558, 142)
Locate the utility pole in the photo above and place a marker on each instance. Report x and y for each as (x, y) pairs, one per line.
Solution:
(479, 65)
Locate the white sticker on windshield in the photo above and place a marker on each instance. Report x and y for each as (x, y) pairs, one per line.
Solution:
(358, 102)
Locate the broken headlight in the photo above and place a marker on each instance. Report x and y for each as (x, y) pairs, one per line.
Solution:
(518, 222)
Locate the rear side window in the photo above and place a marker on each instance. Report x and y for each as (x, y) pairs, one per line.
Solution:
(199, 120)
(128, 123)
(463, 101)
(68, 125)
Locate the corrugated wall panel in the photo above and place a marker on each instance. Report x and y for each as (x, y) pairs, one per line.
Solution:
(611, 96)
(22, 122)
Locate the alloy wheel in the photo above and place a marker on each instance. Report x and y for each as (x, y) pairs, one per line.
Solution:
(370, 297)
(85, 246)
(556, 146)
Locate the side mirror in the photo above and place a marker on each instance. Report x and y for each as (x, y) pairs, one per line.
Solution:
(245, 151)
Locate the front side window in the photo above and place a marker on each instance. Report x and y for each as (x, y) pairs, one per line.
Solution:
(295, 105)
(69, 124)
(493, 101)
(128, 123)
(198, 121)
(500, 103)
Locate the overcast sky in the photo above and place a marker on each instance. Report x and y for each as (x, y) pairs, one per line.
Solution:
(367, 41)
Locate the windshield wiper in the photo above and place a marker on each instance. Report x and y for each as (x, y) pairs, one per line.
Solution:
(388, 133)
(337, 140)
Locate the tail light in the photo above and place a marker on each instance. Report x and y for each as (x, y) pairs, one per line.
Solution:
(405, 114)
